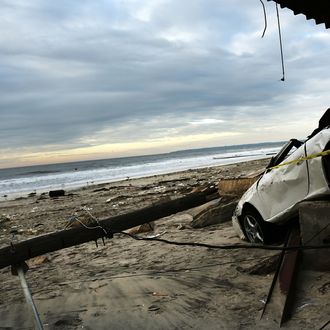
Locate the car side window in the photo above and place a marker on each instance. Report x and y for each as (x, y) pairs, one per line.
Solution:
(287, 150)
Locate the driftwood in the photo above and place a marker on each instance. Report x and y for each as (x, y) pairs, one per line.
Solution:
(16, 254)
(236, 186)
(214, 212)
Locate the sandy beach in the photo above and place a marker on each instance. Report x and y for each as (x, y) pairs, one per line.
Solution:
(129, 284)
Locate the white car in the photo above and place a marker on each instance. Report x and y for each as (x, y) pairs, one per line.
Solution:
(297, 173)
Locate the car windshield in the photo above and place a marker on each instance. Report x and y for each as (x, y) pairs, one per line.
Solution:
(287, 149)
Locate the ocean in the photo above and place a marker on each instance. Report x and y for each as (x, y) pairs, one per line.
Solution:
(40, 178)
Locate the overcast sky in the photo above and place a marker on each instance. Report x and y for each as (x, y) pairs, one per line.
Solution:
(97, 79)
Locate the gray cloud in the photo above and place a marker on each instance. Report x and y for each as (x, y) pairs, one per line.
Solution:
(126, 70)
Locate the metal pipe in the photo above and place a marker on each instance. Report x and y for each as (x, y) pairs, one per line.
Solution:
(28, 297)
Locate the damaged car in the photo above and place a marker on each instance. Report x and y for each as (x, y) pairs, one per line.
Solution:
(299, 172)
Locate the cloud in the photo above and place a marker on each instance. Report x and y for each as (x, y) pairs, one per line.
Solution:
(77, 75)
(207, 121)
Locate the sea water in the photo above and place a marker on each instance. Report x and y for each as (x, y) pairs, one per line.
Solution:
(40, 178)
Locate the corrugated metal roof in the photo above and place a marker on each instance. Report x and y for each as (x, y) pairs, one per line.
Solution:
(319, 10)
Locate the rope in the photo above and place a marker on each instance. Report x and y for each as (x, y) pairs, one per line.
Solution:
(231, 246)
(301, 159)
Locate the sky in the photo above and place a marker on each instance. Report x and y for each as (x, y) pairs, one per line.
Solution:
(109, 78)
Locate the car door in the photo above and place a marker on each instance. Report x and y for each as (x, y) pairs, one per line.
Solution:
(283, 186)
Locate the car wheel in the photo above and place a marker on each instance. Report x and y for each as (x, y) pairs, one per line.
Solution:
(255, 228)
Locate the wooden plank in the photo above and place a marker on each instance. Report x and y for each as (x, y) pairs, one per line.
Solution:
(279, 303)
(236, 186)
(15, 254)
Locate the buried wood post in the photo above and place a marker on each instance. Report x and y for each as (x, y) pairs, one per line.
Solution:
(20, 270)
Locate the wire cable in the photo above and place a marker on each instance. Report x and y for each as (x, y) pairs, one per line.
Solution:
(265, 18)
(230, 246)
(280, 38)
(325, 325)
(209, 246)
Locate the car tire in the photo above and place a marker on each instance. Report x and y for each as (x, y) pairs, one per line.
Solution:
(256, 230)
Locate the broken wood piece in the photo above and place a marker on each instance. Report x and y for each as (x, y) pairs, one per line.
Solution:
(213, 212)
(145, 228)
(281, 295)
(38, 260)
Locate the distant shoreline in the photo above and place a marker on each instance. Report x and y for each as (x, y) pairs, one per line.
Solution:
(130, 180)
(175, 152)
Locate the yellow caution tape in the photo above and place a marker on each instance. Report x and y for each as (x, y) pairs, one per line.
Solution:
(301, 159)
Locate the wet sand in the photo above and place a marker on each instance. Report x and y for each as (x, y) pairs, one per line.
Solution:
(129, 284)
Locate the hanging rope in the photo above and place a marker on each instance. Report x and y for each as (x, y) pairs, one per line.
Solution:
(265, 18)
(281, 45)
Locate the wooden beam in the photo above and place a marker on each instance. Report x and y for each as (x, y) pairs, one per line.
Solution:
(17, 253)
(280, 299)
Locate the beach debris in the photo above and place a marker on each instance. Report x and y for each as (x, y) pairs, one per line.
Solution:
(101, 189)
(160, 294)
(30, 231)
(68, 321)
(75, 221)
(42, 197)
(32, 194)
(34, 209)
(114, 198)
(127, 262)
(325, 288)
(213, 212)
(156, 235)
(82, 217)
(304, 305)
(236, 186)
(4, 218)
(97, 285)
(153, 308)
(196, 189)
(145, 228)
(118, 198)
(54, 241)
(38, 260)
(13, 230)
(56, 193)
(181, 227)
